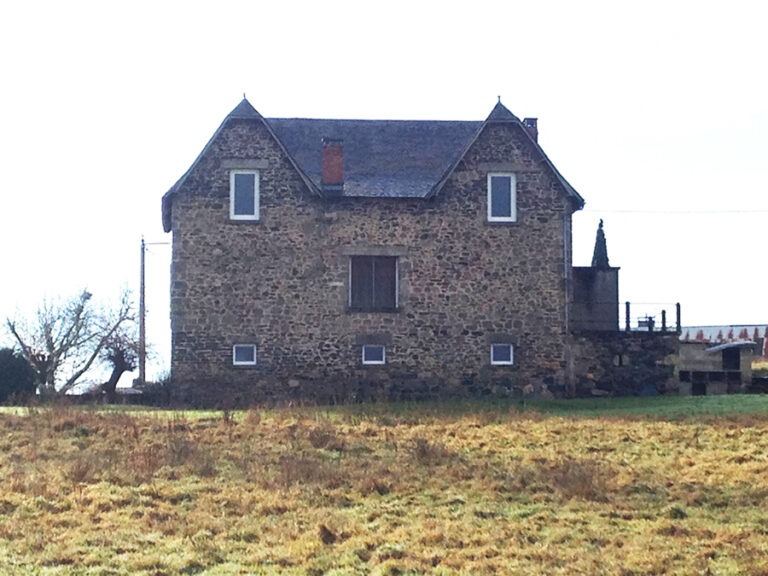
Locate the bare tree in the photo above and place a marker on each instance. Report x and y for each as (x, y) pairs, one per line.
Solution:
(121, 352)
(68, 338)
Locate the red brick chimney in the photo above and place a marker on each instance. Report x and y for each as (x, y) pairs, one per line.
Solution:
(333, 165)
(531, 125)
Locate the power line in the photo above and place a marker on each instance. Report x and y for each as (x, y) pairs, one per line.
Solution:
(679, 212)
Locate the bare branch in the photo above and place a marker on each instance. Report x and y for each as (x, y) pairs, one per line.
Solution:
(94, 354)
(69, 336)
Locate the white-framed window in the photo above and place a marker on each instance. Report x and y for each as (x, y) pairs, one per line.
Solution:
(374, 354)
(502, 354)
(244, 195)
(502, 197)
(244, 355)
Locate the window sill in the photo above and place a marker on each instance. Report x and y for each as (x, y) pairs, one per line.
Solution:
(502, 222)
(351, 310)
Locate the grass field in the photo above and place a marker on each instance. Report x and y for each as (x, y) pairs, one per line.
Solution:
(616, 486)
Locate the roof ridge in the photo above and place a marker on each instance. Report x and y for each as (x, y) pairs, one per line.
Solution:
(379, 120)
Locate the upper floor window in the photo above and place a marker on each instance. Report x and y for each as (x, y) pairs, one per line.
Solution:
(502, 197)
(244, 195)
(373, 283)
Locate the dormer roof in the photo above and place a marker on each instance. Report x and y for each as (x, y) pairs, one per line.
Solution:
(501, 113)
(244, 110)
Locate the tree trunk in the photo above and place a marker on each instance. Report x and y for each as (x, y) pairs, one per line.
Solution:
(120, 365)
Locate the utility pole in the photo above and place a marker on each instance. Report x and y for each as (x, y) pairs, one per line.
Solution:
(142, 321)
(143, 311)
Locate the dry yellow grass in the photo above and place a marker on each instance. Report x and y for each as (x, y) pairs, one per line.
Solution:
(760, 363)
(312, 492)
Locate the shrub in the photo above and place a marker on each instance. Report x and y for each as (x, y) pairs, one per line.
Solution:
(17, 379)
(299, 469)
(585, 479)
(430, 453)
(324, 436)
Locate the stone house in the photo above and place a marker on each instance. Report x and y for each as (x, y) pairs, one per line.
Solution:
(337, 260)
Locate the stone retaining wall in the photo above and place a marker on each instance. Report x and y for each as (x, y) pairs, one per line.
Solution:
(624, 363)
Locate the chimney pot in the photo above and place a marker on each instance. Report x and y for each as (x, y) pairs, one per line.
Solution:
(531, 124)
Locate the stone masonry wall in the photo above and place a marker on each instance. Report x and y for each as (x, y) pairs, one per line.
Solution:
(624, 363)
(282, 282)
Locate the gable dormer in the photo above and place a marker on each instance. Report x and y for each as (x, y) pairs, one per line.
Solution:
(234, 147)
(501, 177)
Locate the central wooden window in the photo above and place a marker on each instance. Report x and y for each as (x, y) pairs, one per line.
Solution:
(373, 283)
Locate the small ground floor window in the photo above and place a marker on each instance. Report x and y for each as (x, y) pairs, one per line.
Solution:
(374, 354)
(502, 354)
(244, 355)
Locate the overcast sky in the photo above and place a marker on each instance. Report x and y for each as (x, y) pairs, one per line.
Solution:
(656, 112)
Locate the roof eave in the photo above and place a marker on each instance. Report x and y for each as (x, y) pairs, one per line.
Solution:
(166, 207)
(729, 345)
(576, 199)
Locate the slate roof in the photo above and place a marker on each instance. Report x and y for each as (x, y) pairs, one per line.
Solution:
(382, 158)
